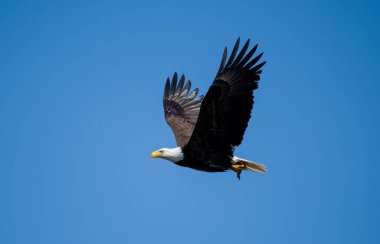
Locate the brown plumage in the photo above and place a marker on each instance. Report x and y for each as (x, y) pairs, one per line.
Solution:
(181, 108)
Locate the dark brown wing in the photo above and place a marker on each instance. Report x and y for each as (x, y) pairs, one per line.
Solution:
(181, 108)
(226, 108)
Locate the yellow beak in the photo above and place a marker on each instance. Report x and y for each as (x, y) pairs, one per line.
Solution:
(156, 154)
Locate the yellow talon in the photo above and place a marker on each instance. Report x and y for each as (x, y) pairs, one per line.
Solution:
(237, 167)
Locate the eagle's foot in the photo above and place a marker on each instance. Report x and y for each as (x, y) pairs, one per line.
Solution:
(237, 168)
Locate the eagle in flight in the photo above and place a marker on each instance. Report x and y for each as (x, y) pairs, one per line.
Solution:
(207, 129)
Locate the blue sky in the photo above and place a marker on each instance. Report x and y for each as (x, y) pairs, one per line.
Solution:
(81, 85)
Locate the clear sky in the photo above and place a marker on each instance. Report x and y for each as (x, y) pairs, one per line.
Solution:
(81, 84)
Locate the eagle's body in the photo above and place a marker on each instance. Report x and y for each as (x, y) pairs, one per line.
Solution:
(207, 129)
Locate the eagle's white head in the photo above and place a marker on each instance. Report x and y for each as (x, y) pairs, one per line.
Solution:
(171, 154)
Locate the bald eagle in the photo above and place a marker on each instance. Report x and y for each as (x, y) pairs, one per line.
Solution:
(208, 128)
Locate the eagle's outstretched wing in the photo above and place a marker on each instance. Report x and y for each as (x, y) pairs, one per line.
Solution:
(226, 108)
(181, 108)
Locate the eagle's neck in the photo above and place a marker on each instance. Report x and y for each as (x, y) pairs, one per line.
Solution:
(173, 154)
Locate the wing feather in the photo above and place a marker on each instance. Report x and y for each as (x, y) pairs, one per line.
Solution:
(226, 108)
(186, 89)
(233, 54)
(223, 62)
(241, 54)
(181, 108)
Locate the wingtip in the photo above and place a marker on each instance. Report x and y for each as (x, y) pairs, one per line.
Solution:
(248, 41)
(233, 53)
(181, 81)
(223, 61)
(237, 42)
(258, 67)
